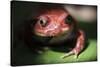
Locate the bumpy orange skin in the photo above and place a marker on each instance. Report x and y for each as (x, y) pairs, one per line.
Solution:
(53, 24)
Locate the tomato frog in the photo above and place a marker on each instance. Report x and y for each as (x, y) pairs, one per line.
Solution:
(59, 26)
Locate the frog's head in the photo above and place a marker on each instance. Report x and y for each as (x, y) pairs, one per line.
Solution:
(53, 23)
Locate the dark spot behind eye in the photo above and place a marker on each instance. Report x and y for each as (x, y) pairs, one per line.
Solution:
(69, 20)
(33, 22)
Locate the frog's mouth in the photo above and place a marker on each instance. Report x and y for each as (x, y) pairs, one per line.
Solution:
(52, 33)
(51, 39)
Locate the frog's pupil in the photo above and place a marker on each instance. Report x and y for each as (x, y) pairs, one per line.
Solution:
(69, 19)
(43, 23)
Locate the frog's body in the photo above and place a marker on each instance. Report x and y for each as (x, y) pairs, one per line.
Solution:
(58, 24)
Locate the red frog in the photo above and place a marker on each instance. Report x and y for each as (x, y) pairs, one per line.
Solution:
(59, 24)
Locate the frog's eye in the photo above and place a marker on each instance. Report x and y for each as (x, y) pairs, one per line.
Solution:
(69, 20)
(43, 22)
